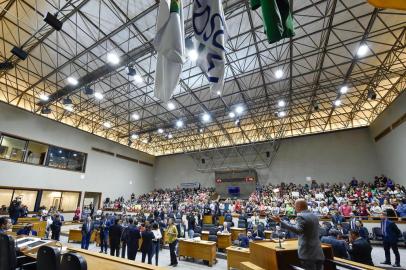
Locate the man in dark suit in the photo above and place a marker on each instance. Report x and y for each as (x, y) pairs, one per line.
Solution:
(391, 233)
(133, 236)
(115, 237)
(104, 234)
(307, 228)
(339, 246)
(360, 250)
(87, 230)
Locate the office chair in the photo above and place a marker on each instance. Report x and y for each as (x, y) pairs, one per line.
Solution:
(48, 258)
(8, 258)
(73, 261)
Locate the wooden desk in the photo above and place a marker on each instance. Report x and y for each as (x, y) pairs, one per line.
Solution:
(28, 220)
(364, 266)
(75, 235)
(236, 231)
(223, 240)
(204, 250)
(221, 220)
(207, 219)
(266, 254)
(205, 235)
(98, 261)
(249, 266)
(38, 226)
(268, 234)
(236, 255)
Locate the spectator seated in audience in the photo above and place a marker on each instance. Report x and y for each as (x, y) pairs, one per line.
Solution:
(27, 230)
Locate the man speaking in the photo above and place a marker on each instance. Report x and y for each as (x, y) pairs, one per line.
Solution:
(307, 228)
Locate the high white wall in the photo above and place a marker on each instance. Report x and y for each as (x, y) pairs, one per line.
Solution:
(391, 148)
(329, 157)
(112, 176)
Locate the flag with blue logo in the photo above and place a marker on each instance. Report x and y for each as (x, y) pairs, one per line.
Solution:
(210, 31)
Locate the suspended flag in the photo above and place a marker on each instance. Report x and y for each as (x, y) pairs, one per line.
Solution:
(210, 30)
(169, 42)
(277, 17)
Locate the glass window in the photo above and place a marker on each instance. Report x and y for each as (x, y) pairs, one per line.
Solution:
(76, 161)
(36, 153)
(28, 197)
(57, 157)
(69, 201)
(5, 197)
(12, 148)
(51, 199)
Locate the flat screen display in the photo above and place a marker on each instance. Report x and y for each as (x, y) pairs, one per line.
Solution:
(234, 191)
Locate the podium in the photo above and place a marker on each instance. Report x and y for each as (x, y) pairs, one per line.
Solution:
(266, 254)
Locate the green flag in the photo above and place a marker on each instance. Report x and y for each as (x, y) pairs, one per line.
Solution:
(278, 20)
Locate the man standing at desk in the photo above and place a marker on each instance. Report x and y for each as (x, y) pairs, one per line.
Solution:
(307, 228)
(87, 230)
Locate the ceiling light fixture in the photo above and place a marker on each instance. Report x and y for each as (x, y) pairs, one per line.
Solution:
(279, 73)
(362, 50)
(337, 102)
(206, 117)
(160, 130)
(231, 114)
(134, 136)
(135, 116)
(282, 114)
(72, 81)
(344, 89)
(98, 96)
(281, 103)
(179, 123)
(107, 124)
(113, 58)
(170, 136)
(171, 106)
(44, 97)
(69, 107)
(138, 78)
(239, 109)
(218, 93)
(193, 55)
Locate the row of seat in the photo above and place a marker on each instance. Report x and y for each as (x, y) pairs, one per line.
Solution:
(48, 258)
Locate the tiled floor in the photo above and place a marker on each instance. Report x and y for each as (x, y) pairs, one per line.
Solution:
(164, 260)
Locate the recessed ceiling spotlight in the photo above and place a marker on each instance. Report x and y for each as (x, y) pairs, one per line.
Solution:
(72, 80)
(279, 73)
(138, 78)
(134, 136)
(344, 89)
(281, 103)
(160, 130)
(135, 116)
(239, 109)
(179, 123)
(237, 122)
(337, 102)
(44, 97)
(218, 93)
(171, 106)
(113, 58)
(107, 125)
(68, 107)
(362, 50)
(98, 96)
(231, 114)
(206, 117)
(201, 130)
(170, 136)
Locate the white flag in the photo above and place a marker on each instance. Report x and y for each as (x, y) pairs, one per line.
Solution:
(169, 42)
(210, 30)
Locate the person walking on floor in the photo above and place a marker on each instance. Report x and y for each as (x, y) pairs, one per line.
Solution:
(133, 237)
(307, 228)
(156, 242)
(147, 246)
(391, 233)
(115, 237)
(173, 241)
(87, 230)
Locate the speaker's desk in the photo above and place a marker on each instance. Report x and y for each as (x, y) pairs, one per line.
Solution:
(75, 235)
(267, 255)
(99, 261)
(236, 255)
(203, 250)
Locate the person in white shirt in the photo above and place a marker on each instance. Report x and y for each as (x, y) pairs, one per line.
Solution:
(376, 210)
(156, 242)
